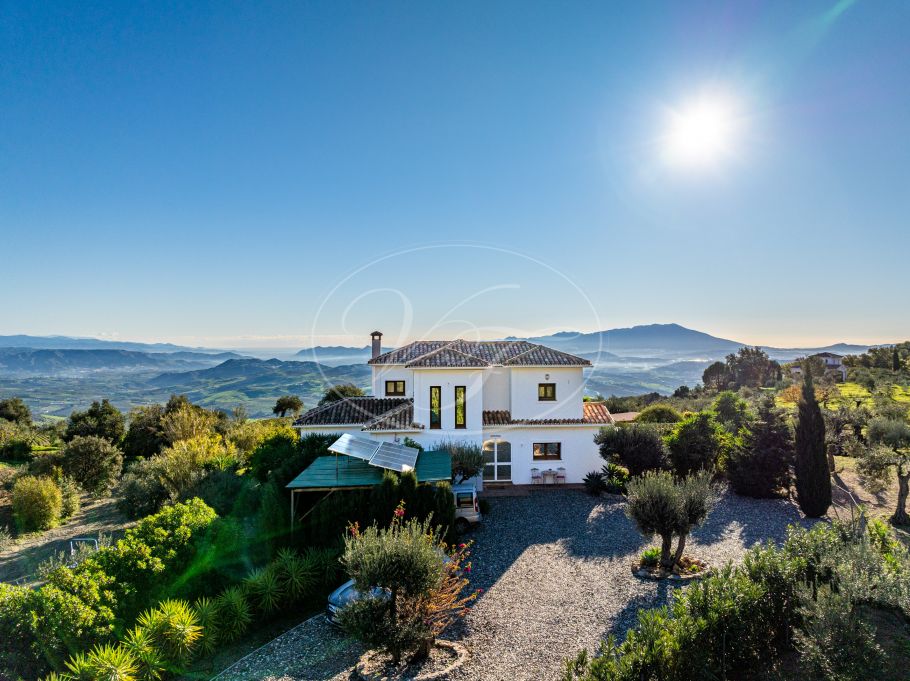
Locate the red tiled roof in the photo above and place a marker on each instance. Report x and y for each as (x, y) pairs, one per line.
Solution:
(595, 413)
(478, 354)
(625, 416)
(373, 413)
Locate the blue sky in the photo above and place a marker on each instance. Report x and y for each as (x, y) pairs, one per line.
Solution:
(236, 175)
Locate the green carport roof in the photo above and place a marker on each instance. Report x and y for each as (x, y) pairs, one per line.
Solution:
(346, 472)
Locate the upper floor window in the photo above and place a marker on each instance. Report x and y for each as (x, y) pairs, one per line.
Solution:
(435, 406)
(394, 388)
(547, 451)
(460, 416)
(546, 392)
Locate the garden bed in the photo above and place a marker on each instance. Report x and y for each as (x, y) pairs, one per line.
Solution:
(444, 657)
(687, 569)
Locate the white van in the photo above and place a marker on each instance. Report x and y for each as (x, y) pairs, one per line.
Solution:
(467, 507)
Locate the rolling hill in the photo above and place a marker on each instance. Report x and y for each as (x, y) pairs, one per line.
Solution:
(46, 362)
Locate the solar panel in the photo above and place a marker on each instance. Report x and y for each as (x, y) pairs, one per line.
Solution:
(358, 447)
(398, 458)
(388, 455)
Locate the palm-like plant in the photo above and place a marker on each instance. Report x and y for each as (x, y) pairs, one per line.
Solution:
(326, 562)
(266, 588)
(233, 613)
(174, 627)
(104, 663)
(298, 576)
(207, 614)
(141, 643)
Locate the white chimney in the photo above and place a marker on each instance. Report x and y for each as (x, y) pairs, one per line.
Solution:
(376, 337)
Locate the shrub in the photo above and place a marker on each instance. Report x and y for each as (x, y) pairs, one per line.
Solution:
(141, 491)
(697, 443)
(6, 539)
(424, 593)
(70, 496)
(836, 643)
(16, 450)
(206, 610)
(298, 576)
(37, 503)
(101, 419)
(660, 506)
(280, 458)
(594, 483)
(731, 411)
(265, 587)
(107, 661)
(223, 490)
(639, 448)
(234, 614)
(658, 413)
(144, 648)
(651, 556)
(175, 629)
(760, 465)
(616, 477)
(93, 462)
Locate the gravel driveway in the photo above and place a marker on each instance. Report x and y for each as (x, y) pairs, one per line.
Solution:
(554, 567)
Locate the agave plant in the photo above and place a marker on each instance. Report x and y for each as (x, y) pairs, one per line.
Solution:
(54, 676)
(233, 613)
(104, 663)
(207, 614)
(298, 576)
(266, 588)
(141, 643)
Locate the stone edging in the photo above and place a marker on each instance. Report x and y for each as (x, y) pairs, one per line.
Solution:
(460, 651)
(658, 575)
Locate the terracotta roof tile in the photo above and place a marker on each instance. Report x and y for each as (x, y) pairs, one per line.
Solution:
(374, 413)
(478, 354)
(595, 413)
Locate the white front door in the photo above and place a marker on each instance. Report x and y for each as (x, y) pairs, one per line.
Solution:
(497, 458)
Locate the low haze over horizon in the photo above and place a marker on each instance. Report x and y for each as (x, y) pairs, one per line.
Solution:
(299, 174)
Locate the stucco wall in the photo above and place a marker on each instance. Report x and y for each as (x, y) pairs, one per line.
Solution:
(381, 374)
(569, 393)
(579, 453)
(447, 379)
(496, 389)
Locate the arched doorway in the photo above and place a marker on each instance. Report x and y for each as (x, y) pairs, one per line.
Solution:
(497, 459)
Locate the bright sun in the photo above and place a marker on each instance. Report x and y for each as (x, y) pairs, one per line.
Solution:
(700, 133)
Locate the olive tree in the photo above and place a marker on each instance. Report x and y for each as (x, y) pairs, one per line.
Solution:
(890, 450)
(660, 505)
(398, 567)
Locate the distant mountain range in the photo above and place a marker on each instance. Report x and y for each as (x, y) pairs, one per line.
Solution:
(668, 341)
(336, 355)
(79, 343)
(56, 374)
(28, 361)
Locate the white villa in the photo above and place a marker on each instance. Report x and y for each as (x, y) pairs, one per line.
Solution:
(522, 402)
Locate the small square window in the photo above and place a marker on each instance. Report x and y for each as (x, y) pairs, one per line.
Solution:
(547, 451)
(394, 389)
(546, 392)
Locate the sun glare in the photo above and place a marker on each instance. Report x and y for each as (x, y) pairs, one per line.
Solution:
(701, 132)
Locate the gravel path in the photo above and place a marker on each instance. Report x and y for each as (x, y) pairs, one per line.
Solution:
(555, 570)
(554, 567)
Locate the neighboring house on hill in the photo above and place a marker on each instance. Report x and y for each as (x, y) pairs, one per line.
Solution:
(520, 401)
(832, 362)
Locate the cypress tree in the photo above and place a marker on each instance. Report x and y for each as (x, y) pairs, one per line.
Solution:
(813, 479)
(895, 360)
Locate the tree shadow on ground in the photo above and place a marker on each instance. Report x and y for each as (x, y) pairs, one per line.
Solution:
(754, 520)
